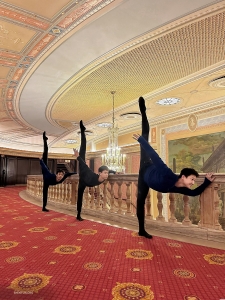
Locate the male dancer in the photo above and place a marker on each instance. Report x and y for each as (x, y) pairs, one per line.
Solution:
(153, 173)
(48, 177)
(86, 176)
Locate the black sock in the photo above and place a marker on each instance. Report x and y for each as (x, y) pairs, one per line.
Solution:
(142, 105)
(145, 234)
(44, 136)
(82, 127)
(45, 209)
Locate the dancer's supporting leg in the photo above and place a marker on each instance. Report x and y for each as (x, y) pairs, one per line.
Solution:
(81, 185)
(45, 160)
(45, 196)
(142, 186)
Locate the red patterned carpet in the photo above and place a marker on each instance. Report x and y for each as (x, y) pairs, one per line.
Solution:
(53, 256)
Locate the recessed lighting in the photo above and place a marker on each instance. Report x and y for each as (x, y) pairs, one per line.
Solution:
(218, 82)
(132, 115)
(104, 125)
(168, 101)
(71, 141)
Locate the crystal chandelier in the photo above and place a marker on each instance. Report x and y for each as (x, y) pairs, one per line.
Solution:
(113, 158)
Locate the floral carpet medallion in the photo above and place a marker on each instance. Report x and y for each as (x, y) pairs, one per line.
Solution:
(78, 287)
(215, 259)
(29, 283)
(59, 219)
(108, 241)
(184, 273)
(191, 297)
(20, 218)
(14, 259)
(93, 266)
(132, 291)
(135, 234)
(139, 254)
(8, 244)
(38, 229)
(175, 245)
(87, 231)
(67, 249)
(50, 238)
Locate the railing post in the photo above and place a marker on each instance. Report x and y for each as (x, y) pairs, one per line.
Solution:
(172, 208)
(209, 201)
(186, 220)
(160, 207)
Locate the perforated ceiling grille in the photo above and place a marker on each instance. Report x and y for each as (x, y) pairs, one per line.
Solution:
(145, 69)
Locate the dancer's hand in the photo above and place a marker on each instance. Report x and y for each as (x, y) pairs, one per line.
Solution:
(210, 177)
(76, 152)
(136, 136)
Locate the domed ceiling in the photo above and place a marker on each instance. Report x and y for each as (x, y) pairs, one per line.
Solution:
(61, 59)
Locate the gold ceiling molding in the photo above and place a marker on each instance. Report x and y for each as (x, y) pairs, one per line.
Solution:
(33, 154)
(150, 58)
(93, 14)
(127, 47)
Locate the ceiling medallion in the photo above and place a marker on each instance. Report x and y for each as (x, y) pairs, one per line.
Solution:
(131, 115)
(168, 101)
(71, 141)
(218, 82)
(104, 125)
(192, 122)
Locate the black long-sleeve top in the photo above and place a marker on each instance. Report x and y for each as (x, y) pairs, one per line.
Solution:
(50, 178)
(87, 176)
(161, 178)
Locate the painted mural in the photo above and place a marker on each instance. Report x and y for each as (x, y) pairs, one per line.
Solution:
(204, 153)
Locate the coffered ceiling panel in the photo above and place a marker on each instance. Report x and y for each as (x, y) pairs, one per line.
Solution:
(4, 71)
(14, 37)
(59, 61)
(45, 8)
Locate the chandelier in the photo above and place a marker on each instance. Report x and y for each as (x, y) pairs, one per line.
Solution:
(113, 158)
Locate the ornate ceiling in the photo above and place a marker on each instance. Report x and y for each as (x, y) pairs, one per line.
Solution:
(60, 60)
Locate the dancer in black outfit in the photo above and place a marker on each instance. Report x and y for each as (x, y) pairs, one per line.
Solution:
(86, 176)
(48, 177)
(155, 174)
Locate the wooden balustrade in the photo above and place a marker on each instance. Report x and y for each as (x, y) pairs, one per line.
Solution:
(117, 196)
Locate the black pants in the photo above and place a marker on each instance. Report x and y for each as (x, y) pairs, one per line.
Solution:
(143, 188)
(45, 186)
(82, 168)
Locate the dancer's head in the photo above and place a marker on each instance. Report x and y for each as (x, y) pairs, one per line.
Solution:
(188, 177)
(59, 175)
(103, 172)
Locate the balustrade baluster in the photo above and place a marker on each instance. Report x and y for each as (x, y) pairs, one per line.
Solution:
(148, 206)
(119, 196)
(172, 208)
(112, 197)
(97, 206)
(186, 220)
(128, 195)
(104, 207)
(92, 197)
(160, 207)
